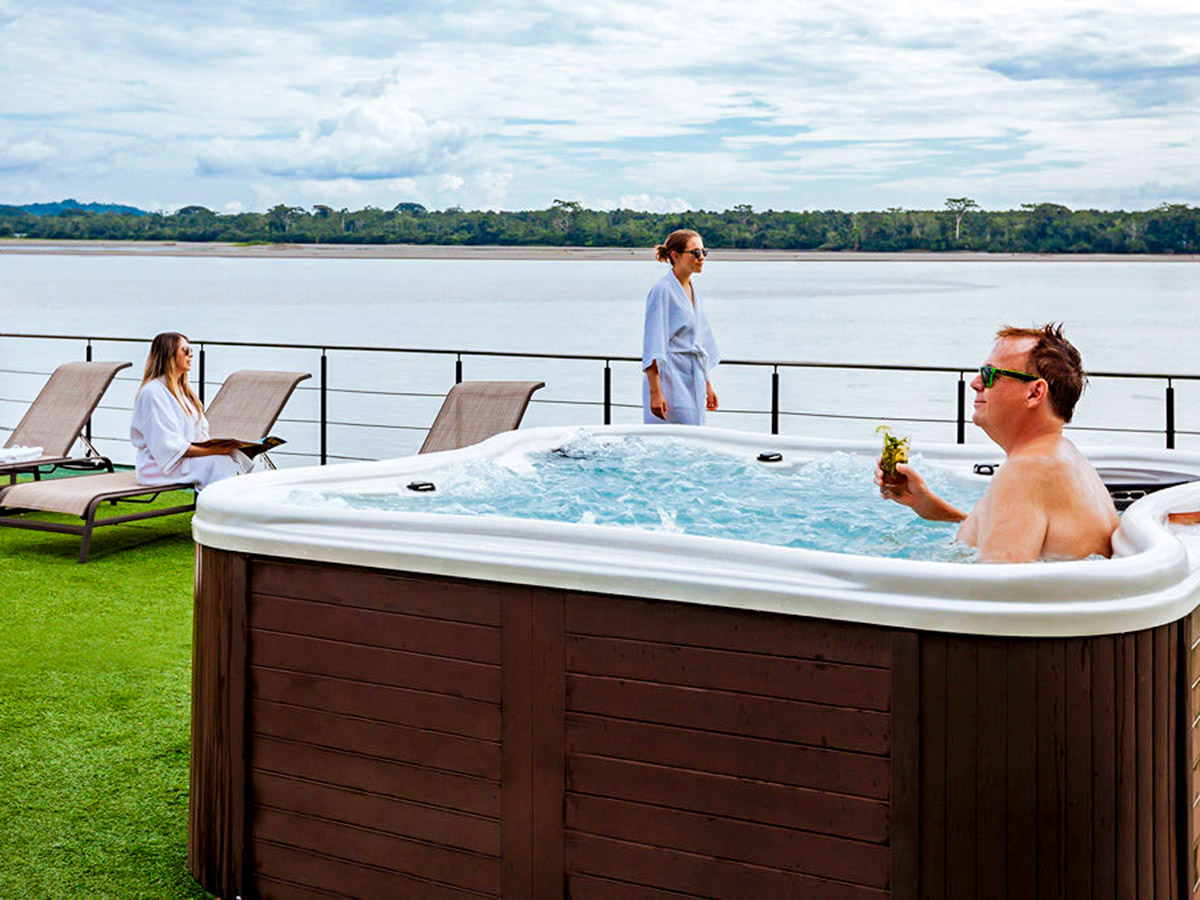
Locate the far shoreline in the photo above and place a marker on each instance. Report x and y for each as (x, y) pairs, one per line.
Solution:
(225, 250)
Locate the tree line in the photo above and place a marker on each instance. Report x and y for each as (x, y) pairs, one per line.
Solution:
(961, 225)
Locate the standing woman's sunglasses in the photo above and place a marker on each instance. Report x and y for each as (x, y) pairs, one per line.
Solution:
(698, 253)
(988, 375)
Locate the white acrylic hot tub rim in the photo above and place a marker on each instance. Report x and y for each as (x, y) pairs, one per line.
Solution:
(1154, 578)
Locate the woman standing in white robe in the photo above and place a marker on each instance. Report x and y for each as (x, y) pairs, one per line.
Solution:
(169, 422)
(678, 347)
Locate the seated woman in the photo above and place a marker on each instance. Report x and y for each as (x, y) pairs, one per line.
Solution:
(168, 423)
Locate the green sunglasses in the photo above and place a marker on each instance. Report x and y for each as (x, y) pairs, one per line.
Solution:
(988, 374)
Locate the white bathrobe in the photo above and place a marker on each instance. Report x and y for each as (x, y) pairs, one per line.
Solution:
(678, 338)
(162, 430)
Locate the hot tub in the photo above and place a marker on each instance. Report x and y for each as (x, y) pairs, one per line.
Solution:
(406, 704)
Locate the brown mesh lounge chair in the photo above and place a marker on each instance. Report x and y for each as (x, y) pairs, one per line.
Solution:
(247, 406)
(476, 410)
(55, 420)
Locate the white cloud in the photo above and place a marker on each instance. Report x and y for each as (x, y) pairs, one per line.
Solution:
(26, 154)
(516, 103)
(493, 187)
(377, 137)
(647, 203)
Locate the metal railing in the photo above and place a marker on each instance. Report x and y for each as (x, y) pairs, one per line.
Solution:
(772, 409)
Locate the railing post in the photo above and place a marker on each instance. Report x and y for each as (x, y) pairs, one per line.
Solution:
(962, 409)
(324, 407)
(201, 385)
(607, 393)
(1170, 415)
(87, 428)
(775, 400)
(458, 369)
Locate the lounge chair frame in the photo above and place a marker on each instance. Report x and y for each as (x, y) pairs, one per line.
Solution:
(247, 399)
(56, 420)
(144, 494)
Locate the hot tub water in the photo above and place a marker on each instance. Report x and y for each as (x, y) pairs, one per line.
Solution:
(671, 485)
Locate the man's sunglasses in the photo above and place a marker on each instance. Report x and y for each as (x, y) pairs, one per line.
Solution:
(698, 253)
(988, 374)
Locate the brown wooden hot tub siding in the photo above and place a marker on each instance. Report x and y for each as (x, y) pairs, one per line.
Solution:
(366, 733)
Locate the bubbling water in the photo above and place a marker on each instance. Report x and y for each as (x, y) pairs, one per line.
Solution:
(670, 485)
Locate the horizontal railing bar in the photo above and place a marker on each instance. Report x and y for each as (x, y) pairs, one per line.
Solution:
(334, 390)
(502, 354)
(818, 415)
(569, 402)
(331, 423)
(1116, 430)
(1094, 429)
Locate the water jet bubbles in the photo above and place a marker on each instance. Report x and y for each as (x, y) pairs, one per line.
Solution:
(669, 485)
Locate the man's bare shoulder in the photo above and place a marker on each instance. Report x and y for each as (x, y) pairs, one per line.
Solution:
(1031, 473)
(1049, 466)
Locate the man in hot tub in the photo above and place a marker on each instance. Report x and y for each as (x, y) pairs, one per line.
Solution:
(1046, 501)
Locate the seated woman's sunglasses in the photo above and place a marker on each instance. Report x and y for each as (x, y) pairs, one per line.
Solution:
(988, 375)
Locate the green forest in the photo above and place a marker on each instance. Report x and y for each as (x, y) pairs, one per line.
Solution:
(960, 225)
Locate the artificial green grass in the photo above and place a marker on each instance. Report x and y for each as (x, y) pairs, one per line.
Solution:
(95, 686)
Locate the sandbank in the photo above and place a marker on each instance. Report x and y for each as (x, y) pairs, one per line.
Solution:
(10, 246)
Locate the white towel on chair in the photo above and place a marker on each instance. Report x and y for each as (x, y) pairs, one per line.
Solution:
(19, 454)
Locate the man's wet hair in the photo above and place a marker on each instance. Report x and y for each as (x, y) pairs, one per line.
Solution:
(1054, 359)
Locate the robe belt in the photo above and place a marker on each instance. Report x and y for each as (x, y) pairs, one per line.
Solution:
(701, 357)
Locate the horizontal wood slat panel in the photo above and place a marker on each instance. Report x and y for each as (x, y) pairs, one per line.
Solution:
(394, 816)
(422, 595)
(772, 676)
(593, 887)
(764, 760)
(401, 706)
(278, 889)
(346, 879)
(393, 779)
(384, 851)
(791, 807)
(740, 841)
(711, 710)
(692, 873)
(375, 665)
(456, 640)
(707, 626)
(441, 751)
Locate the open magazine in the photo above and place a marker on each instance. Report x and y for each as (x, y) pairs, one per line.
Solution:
(250, 448)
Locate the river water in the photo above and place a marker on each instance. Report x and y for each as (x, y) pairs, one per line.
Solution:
(1132, 316)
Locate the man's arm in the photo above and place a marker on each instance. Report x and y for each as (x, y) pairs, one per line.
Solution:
(1011, 519)
(916, 495)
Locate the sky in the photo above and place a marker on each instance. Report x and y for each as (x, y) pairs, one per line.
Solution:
(703, 104)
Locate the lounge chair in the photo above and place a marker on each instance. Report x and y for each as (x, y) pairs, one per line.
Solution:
(56, 418)
(475, 410)
(247, 406)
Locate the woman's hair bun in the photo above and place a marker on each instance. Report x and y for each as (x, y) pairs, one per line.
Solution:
(676, 242)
